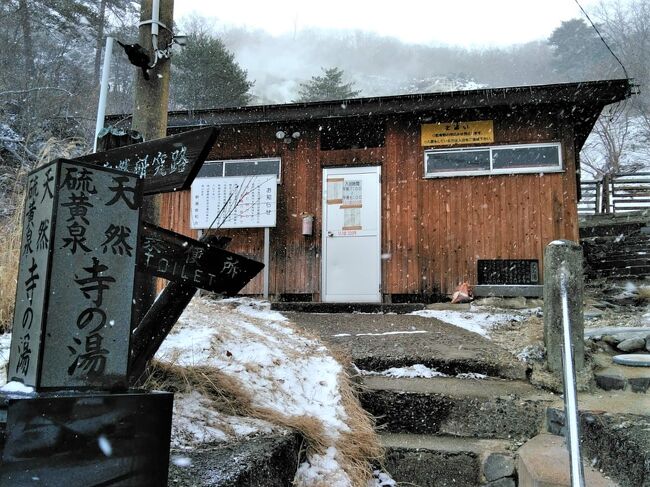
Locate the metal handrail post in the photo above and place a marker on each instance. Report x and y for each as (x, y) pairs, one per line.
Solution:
(570, 393)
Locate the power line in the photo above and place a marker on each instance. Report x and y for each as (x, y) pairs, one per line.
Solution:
(603, 39)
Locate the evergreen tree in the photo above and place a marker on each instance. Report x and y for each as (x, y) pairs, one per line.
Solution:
(330, 86)
(579, 54)
(206, 75)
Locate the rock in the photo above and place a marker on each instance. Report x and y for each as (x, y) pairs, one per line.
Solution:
(639, 384)
(505, 482)
(544, 461)
(631, 345)
(647, 343)
(611, 340)
(606, 347)
(609, 380)
(518, 302)
(619, 333)
(592, 314)
(633, 359)
(498, 465)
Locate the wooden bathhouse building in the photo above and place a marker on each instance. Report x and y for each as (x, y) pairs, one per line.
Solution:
(410, 195)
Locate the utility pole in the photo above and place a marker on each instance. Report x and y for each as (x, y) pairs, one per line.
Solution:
(152, 96)
(150, 114)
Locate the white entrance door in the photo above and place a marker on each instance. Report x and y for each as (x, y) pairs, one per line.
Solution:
(352, 234)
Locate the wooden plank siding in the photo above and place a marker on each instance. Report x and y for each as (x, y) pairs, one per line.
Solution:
(433, 230)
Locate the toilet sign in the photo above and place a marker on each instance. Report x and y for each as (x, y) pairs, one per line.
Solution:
(178, 258)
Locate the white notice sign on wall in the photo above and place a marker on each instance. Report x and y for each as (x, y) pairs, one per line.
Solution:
(234, 202)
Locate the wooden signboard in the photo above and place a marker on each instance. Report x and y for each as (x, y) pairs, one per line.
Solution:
(457, 133)
(178, 258)
(166, 165)
(508, 271)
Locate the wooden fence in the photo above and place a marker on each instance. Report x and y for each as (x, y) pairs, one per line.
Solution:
(617, 193)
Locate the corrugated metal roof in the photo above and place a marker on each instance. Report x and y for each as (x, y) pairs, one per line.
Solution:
(591, 96)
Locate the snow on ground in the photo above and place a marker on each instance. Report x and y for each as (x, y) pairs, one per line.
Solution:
(245, 340)
(322, 467)
(5, 345)
(196, 422)
(474, 320)
(16, 387)
(276, 367)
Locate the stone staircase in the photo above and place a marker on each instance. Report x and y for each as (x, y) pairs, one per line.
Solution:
(496, 432)
(454, 432)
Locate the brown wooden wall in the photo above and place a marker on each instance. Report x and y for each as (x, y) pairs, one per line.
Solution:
(433, 230)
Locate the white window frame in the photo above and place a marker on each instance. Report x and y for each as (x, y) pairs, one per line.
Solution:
(256, 159)
(492, 171)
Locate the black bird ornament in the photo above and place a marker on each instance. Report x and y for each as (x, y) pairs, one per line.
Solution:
(138, 56)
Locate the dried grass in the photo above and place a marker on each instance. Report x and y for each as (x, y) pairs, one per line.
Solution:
(11, 226)
(644, 292)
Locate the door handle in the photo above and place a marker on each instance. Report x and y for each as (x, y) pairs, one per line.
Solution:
(330, 234)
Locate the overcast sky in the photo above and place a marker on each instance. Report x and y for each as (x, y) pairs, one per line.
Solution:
(468, 23)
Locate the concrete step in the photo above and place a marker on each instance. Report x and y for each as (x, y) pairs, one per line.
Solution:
(544, 462)
(317, 307)
(378, 342)
(489, 408)
(438, 461)
(620, 377)
(614, 434)
(267, 461)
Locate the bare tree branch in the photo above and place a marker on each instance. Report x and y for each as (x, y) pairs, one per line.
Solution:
(40, 88)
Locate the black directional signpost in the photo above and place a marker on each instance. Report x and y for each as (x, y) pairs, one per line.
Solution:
(74, 343)
(182, 259)
(166, 165)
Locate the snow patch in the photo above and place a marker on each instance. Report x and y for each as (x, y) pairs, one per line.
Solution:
(260, 310)
(412, 371)
(531, 353)
(381, 479)
(471, 375)
(195, 422)
(280, 370)
(385, 333)
(474, 321)
(17, 388)
(418, 371)
(320, 467)
(5, 347)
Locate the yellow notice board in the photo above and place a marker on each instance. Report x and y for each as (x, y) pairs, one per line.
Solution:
(453, 133)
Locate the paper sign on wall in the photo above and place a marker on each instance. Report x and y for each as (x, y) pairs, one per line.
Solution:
(335, 191)
(352, 218)
(457, 133)
(234, 202)
(352, 194)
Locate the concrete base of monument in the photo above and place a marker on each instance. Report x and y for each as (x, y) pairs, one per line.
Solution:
(85, 438)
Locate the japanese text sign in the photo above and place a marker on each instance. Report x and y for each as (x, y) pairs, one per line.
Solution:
(234, 202)
(457, 133)
(168, 164)
(73, 307)
(176, 257)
